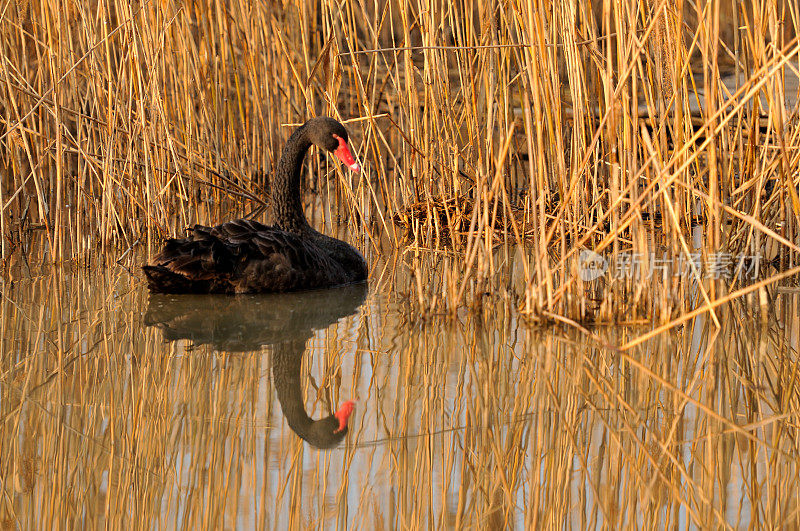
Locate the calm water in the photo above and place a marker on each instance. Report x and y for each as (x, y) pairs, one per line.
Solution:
(169, 411)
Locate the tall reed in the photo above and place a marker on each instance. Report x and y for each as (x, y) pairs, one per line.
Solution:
(490, 132)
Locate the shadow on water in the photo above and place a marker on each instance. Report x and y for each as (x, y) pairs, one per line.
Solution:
(248, 322)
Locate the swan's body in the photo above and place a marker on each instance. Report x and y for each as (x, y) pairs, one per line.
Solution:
(245, 256)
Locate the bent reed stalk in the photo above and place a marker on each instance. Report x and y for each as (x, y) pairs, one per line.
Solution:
(499, 139)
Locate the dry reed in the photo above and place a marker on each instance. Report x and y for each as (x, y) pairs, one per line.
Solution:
(487, 130)
(499, 141)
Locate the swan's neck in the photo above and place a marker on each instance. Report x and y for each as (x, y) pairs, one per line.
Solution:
(287, 357)
(286, 360)
(286, 199)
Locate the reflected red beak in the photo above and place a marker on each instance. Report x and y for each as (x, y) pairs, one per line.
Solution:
(343, 414)
(343, 154)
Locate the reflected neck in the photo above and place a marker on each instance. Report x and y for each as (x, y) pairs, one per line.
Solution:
(287, 359)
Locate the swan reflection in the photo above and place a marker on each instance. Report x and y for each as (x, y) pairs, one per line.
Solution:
(248, 322)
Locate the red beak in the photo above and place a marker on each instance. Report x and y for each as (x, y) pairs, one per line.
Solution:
(343, 414)
(343, 154)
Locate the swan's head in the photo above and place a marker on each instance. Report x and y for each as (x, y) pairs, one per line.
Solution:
(342, 415)
(330, 135)
(328, 432)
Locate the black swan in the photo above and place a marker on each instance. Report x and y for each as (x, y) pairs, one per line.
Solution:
(247, 322)
(245, 256)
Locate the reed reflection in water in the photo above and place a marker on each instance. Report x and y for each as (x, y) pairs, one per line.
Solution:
(472, 422)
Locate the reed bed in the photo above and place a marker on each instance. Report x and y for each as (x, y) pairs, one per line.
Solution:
(472, 422)
(501, 142)
(487, 129)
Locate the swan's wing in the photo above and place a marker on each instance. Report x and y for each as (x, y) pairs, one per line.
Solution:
(241, 256)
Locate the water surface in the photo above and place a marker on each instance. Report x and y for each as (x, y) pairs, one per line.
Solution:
(119, 406)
